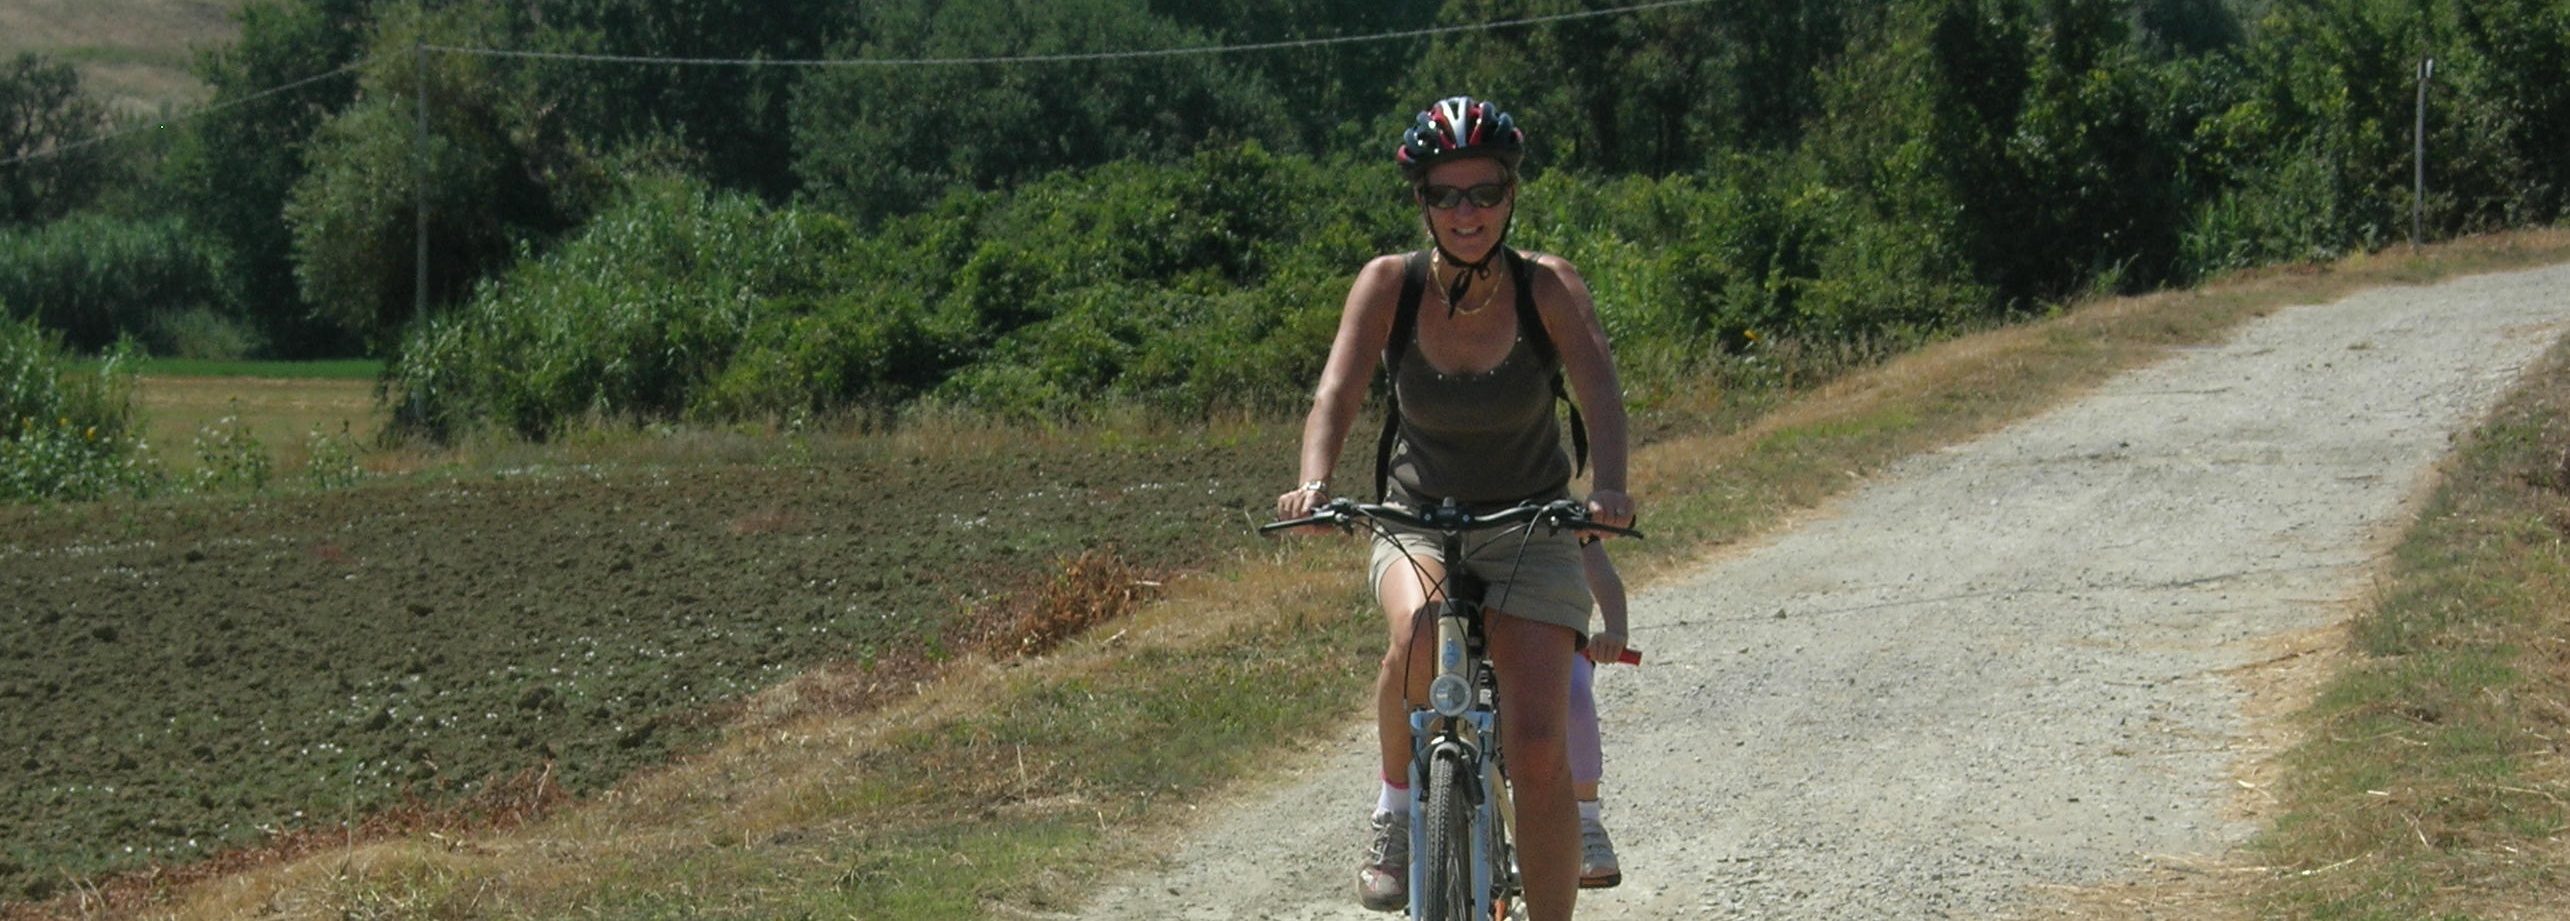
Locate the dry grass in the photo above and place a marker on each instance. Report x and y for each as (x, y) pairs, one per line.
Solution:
(132, 54)
(281, 414)
(855, 790)
(2432, 780)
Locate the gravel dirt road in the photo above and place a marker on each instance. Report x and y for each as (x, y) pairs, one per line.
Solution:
(1996, 671)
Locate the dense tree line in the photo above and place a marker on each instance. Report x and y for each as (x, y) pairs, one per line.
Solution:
(1030, 236)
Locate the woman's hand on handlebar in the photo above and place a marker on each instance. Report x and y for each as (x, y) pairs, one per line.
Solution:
(1610, 507)
(1301, 502)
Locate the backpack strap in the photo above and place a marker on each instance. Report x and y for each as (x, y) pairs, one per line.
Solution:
(1405, 327)
(1530, 324)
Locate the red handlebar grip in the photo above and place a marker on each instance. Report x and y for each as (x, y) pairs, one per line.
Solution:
(1631, 656)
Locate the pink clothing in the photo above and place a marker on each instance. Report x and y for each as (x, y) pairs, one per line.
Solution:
(1588, 748)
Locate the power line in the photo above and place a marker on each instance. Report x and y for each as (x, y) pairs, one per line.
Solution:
(1059, 58)
(60, 149)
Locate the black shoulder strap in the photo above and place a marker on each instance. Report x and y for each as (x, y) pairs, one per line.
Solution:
(1405, 327)
(1530, 324)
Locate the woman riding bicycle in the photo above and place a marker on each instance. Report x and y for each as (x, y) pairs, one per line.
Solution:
(1475, 388)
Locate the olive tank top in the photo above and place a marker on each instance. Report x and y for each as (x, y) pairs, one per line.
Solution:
(1480, 439)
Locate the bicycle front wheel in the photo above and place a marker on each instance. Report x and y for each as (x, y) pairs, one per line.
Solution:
(1445, 878)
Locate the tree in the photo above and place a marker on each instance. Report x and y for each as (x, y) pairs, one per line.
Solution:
(1329, 94)
(41, 108)
(735, 120)
(1656, 92)
(233, 170)
(879, 141)
(502, 176)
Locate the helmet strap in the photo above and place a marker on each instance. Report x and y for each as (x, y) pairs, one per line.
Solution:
(1473, 272)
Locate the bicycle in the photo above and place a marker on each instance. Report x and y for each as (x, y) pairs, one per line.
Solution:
(1462, 822)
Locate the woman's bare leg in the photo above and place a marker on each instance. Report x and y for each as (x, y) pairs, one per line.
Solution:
(1534, 664)
(1404, 591)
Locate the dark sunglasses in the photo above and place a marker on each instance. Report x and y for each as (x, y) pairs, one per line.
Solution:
(1444, 197)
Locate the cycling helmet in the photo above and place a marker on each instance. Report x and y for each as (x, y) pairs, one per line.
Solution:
(1456, 127)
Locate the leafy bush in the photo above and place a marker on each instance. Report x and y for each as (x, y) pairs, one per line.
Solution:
(330, 460)
(629, 321)
(96, 279)
(65, 436)
(204, 334)
(1213, 283)
(230, 456)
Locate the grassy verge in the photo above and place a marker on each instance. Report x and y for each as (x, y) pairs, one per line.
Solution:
(2430, 782)
(1015, 783)
(347, 369)
(212, 414)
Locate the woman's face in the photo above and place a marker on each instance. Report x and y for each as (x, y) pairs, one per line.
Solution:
(1467, 230)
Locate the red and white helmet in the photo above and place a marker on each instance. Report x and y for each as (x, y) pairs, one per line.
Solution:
(1458, 127)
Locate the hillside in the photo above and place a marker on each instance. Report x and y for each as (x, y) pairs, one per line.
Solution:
(132, 53)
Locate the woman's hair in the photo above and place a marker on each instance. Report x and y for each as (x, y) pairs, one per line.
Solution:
(1457, 127)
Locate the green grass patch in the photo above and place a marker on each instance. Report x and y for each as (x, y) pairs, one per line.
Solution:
(346, 369)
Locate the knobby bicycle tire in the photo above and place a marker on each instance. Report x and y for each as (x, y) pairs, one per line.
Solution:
(1445, 883)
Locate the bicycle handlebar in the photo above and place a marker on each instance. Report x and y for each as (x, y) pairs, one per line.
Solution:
(1344, 514)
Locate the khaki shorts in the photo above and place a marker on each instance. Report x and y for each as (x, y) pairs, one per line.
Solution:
(1546, 585)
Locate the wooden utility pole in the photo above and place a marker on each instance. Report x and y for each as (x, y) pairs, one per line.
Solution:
(419, 177)
(2418, 157)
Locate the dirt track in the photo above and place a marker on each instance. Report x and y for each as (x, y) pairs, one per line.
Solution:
(1999, 669)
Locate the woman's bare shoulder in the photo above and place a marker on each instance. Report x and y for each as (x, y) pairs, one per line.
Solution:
(1557, 283)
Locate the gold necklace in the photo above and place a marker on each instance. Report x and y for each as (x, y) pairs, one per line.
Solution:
(1454, 310)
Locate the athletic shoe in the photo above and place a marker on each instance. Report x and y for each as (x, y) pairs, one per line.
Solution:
(1597, 867)
(1383, 883)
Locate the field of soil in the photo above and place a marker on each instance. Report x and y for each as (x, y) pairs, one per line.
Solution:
(189, 675)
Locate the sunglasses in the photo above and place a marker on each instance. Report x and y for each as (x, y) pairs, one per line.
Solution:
(1445, 197)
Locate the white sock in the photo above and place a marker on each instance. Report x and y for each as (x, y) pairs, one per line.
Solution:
(1591, 810)
(1393, 800)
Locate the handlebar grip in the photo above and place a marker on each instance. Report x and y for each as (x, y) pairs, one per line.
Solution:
(1630, 656)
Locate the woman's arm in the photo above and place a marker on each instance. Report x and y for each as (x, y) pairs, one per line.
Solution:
(1365, 323)
(1588, 362)
(1607, 586)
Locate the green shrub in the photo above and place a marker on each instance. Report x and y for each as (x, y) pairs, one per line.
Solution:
(229, 456)
(204, 335)
(66, 436)
(330, 460)
(96, 279)
(631, 320)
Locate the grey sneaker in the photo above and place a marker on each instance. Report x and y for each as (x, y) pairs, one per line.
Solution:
(1597, 867)
(1383, 883)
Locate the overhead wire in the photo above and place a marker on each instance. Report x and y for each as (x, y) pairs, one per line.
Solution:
(1065, 57)
(183, 117)
(64, 148)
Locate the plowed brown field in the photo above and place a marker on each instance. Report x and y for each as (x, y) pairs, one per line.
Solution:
(183, 677)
